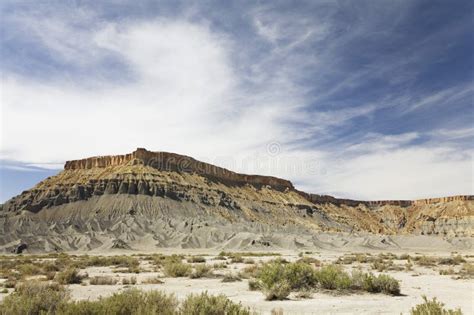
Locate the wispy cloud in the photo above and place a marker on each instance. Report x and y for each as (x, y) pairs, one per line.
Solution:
(345, 91)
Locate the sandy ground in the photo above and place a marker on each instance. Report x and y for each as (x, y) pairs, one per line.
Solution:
(414, 284)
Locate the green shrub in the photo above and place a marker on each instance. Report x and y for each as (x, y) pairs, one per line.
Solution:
(211, 305)
(333, 277)
(254, 285)
(386, 284)
(300, 275)
(68, 276)
(177, 269)
(278, 291)
(129, 302)
(34, 298)
(433, 307)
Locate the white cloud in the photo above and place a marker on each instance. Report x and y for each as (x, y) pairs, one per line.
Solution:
(185, 94)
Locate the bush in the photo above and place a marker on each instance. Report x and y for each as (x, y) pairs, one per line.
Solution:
(211, 305)
(278, 291)
(300, 276)
(201, 270)
(375, 284)
(129, 281)
(103, 280)
(455, 260)
(196, 259)
(254, 285)
(68, 276)
(129, 302)
(231, 278)
(433, 307)
(177, 269)
(34, 298)
(154, 280)
(333, 277)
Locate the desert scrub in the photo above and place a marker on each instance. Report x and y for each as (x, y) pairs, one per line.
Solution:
(231, 278)
(69, 276)
(177, 269)
(196, 259)
(277, 280)
(309, 260)
(33, 298)
(333, 277)
(129, 281)
(103, 280)
(425, 261)
(211, 305)
(201, 271)
(129, 302)
(454, 260)
(432, 307)
(375, 284)
(152, 280)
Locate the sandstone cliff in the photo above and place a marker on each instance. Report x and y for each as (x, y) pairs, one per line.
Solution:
(172, 200)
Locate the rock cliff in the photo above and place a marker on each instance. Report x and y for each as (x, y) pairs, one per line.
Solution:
(166, 199)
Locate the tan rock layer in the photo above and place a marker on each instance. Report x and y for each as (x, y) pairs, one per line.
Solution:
(165, 161)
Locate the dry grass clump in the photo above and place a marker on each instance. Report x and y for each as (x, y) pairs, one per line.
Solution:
(433, 307)
(310, 260)
(248, 254)
(237, 259)
(425, 261)
(453, 260)
(201, 271)
(69, 276)
(196, 259)
(129, 281)
(177, 269)
(103, 280)
(211, 305)
(229, 277)
(220, 265)
(152, 280)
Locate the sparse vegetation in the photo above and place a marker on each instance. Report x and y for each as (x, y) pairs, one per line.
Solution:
(33, 298)
(69, 276)
(231, 278)
(211, 305)
(103, 280)
(196, 259)
(201, 270)
(433, 307)
(177, 269)
(276, 279)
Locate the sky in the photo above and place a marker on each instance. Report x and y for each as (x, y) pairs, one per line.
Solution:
(357, 99)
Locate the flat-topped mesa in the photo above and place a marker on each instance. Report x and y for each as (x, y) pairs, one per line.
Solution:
(165, 161)
(314, 198)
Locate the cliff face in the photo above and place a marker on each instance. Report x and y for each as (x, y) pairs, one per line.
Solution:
(171, 162)
(99, 194)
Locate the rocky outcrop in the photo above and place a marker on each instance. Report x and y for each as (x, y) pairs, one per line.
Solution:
(159, 191)
(171, 162)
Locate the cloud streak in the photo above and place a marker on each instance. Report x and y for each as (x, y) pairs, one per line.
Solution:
(330, 85)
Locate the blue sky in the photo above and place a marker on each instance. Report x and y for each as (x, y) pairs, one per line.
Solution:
(359, 99)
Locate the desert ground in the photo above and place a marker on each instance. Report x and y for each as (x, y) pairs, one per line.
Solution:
(448, 276)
